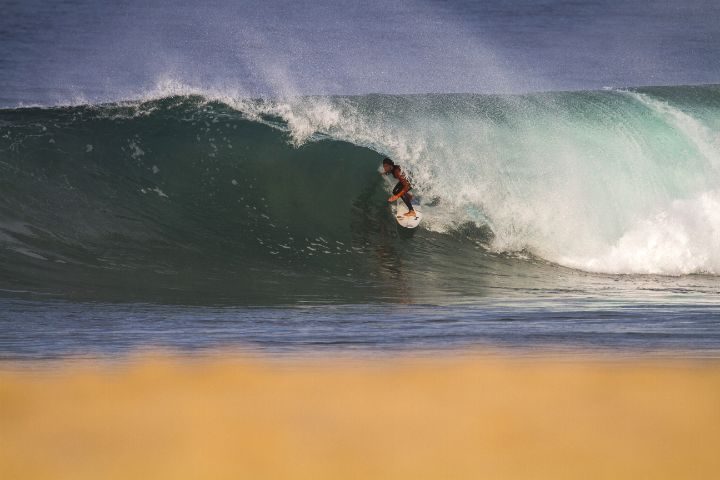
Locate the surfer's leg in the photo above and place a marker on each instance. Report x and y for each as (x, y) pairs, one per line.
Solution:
(406, 199)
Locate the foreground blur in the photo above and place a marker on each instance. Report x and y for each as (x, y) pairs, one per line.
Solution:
(394, 418)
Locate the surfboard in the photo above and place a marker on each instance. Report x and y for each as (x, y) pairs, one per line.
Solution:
(407, 222)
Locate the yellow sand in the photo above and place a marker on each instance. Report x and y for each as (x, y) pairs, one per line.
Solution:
(342, 419)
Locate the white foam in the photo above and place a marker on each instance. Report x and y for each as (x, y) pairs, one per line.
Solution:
(159, 192)
(135, 150)
(683, 239)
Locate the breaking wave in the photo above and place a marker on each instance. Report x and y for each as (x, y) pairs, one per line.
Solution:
(191, 190)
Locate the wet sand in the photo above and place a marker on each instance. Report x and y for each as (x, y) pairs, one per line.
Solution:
(469, 417)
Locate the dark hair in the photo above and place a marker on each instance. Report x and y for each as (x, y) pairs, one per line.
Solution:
(387, 161)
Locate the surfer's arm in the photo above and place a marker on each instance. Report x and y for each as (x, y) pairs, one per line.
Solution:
(405, 188)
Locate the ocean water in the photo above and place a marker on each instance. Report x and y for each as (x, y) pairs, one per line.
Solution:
(186, 177)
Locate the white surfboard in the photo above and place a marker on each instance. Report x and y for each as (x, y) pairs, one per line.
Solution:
(408, 222)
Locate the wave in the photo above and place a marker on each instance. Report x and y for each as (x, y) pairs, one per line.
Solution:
(267, 196)
(581, 179)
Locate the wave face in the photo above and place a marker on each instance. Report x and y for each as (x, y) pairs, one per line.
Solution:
(279, 200)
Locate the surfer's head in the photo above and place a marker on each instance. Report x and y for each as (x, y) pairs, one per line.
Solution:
(388, 165)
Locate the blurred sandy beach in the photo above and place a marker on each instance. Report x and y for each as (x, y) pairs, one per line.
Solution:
(397, 417)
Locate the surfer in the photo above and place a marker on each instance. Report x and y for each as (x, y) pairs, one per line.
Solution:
(402, 189)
